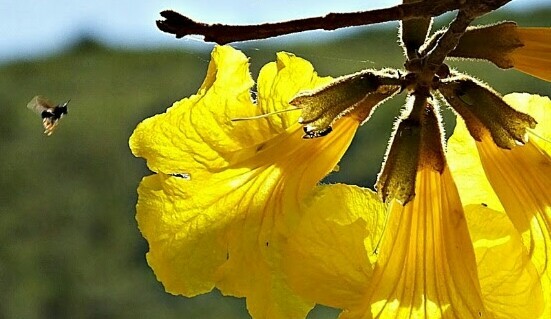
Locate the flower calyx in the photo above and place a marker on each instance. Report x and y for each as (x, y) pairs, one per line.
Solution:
(417, 144)
(483, 110)
(358, 94)
(493, 43)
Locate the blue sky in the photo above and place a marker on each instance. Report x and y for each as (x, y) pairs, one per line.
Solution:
(32, 28)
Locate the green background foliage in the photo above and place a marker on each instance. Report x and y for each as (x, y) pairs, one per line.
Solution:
(69, 245)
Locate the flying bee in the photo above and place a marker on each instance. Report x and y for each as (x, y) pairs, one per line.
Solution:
(50, 114)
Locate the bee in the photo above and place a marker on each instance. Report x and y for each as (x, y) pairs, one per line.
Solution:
(50, 114)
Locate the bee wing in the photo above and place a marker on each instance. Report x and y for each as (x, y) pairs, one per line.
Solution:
(39, 104)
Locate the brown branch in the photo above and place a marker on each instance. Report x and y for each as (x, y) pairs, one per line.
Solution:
(433, 59)
(448, 41)
(181, 26)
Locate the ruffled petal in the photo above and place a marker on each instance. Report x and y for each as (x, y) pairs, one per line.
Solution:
(426, 267)
(196, 133)
(227, 193)
(329, 258)
(174, 228)
(509, 281)
(294, 74)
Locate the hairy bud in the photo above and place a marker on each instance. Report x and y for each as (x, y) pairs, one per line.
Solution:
(483, 109)
(415, 145)
(360, 92)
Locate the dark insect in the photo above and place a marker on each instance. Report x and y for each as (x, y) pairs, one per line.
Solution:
(309, 134)
(50, 113)
(186, 176)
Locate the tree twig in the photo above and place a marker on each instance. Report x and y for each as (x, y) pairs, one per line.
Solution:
(430, 62)
(181, 26)
(457, 27)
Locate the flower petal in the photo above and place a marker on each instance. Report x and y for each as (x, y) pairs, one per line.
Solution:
(296, 75)
(255, 240)
(225, 222)
(197, 133)
(468, 174)
(426, 267)
(509, 281)
(328, 256)
(185, 246)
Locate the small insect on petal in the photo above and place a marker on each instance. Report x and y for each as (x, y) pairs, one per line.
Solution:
(184, 176)
(313, 133)
(50, 113)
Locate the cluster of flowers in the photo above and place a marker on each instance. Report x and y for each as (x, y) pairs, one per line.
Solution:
(237, 205)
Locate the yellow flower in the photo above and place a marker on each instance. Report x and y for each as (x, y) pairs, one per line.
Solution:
(425, 266)
(235, 205)
(442, 255)
(225, 194)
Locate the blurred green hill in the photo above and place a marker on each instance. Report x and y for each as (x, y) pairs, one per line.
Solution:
(69, 245)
